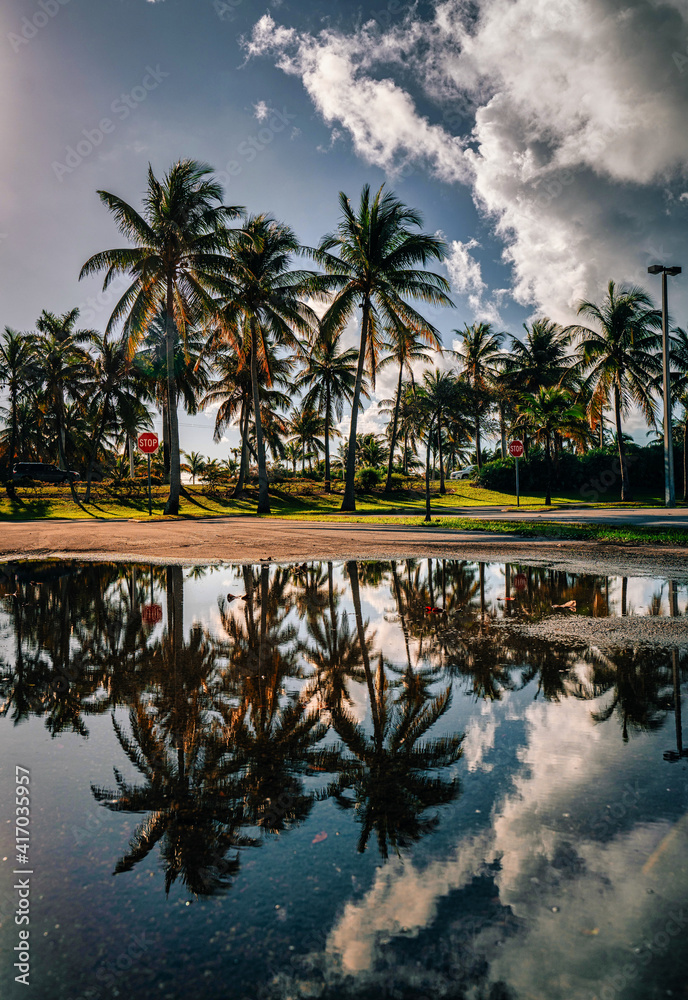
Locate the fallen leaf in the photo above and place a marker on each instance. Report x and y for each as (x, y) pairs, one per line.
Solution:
(592, 932)
(569, 606)
(319, 837)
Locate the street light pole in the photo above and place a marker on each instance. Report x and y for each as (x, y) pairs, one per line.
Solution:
(669, 488)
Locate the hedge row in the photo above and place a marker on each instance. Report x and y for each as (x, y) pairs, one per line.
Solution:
(595, 475)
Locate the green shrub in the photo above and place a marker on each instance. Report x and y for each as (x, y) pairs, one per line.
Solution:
(594, 476)
(368, 478)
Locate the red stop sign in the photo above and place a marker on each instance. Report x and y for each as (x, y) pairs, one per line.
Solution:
(151, 614)
(520, 581)
(516, 449)
(148, 443)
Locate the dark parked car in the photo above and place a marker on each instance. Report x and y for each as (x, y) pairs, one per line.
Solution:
(43, 473)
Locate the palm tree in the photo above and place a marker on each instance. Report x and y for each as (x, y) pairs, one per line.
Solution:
(261, 291)
(307, 427)
(233, 390)
(620, 356)
(329, 376)
(371, 450)
(376, 269)
(116, 388)
(177, 256)
(546, 413)
(17, 374)
(195, 464)
(479, 354)
(407, 345)
(63, 365)
(445, 399)
(190, 372)
(292, 452)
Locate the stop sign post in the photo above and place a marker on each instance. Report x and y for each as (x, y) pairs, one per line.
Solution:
(148, 444)
(516, 452)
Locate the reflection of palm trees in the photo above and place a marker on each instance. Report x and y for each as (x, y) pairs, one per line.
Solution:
(193, 796)
(641, 681)
(387, 772)
(386, 777)
(277, 735)
(336, 654)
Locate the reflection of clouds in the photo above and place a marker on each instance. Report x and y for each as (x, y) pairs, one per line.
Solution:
(580, 907)
(480, 734)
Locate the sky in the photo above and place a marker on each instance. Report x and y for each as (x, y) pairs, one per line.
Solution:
(546, 140)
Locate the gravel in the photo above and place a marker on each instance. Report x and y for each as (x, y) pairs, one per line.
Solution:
(645, 631)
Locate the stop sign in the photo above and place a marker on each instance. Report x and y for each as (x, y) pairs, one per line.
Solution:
(520, 581)
(148, 443)
(151, 614)
(516, 448)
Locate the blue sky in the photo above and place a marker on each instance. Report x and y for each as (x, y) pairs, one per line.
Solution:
(545, 138)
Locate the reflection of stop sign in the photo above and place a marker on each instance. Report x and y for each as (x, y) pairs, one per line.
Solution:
(520, 581)
(151, 614)
(148, 443)
(516, 449)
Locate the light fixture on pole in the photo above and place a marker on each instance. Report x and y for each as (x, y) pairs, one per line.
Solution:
(669, 490)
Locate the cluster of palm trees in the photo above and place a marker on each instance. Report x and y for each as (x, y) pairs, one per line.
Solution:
(216, 313)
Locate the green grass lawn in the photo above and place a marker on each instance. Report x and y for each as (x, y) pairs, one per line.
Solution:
(295, 498)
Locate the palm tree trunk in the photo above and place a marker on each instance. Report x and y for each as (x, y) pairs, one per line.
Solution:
(393, 442)
(263, 494)
(172, 505)
(502, 429)
(349, 500)
(427, 475)
(625, 482)
(243, 432)
(328, 483)
(13, 433)
(624, 593)
(94, 449)
(352, 570)
(132, 461)
(443, 488)
(405, 452)
(478, 456)
(548, 447)
(685, 456)
(165, 441)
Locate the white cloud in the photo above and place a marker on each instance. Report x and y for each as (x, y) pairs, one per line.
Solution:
(466, 279)
(261, 111)
(576, 113)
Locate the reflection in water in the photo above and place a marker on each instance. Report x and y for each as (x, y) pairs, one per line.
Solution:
(483, 775)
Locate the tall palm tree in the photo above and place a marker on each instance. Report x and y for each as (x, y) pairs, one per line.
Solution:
(406, 345)
(262, 292)
(116, 387)
(479, 355)
(541, 359)
(64, 364)
(620, 356)
(178, 250)
(329, 378)
(679, 390)
(233, 389)
(546, 413)
(376, 268)
(17, 374)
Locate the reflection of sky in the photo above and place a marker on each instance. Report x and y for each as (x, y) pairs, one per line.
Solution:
(563, 855)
